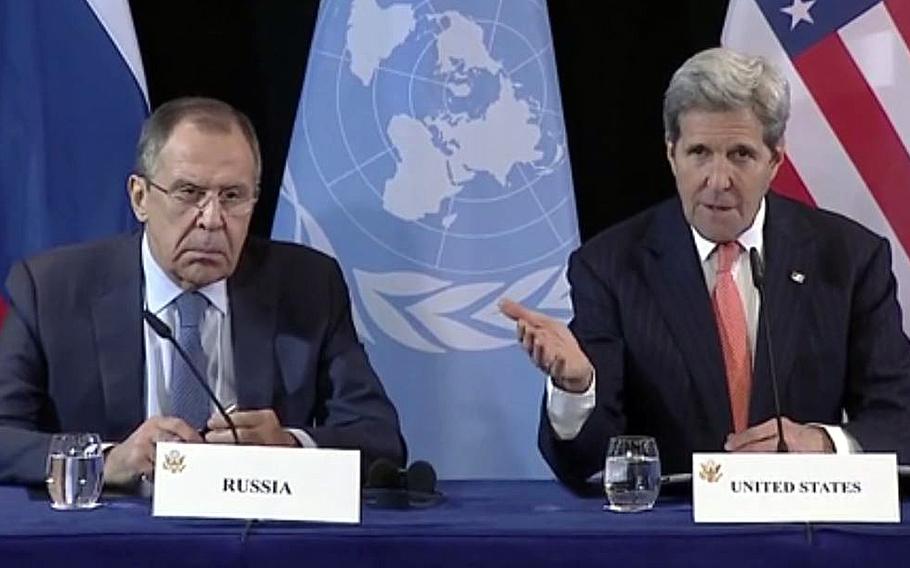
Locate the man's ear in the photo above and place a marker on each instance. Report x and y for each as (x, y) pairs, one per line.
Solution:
(777, 157)
(137, 189)
(671, 147)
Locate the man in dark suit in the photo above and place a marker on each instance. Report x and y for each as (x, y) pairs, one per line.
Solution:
(268, 324)
(665, 340)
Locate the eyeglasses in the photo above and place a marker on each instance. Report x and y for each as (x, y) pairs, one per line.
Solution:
(235, 201)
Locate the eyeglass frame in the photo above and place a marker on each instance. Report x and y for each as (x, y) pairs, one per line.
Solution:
(208, 193)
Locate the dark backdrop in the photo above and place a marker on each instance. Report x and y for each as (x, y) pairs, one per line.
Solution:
(614, 61)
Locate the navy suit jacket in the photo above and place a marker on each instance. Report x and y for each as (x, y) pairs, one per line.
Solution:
(72, 351)
(643, 316)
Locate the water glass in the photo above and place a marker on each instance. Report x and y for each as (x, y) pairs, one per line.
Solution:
(632, 474)
(75, 471)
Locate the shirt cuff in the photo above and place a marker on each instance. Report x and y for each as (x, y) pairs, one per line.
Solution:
(568, 411)
(302, 437)
(843, 442)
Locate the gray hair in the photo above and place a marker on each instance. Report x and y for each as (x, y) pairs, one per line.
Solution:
(720, 79)
(209, 115)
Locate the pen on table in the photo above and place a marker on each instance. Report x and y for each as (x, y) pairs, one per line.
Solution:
(675, 478)
(230, 409)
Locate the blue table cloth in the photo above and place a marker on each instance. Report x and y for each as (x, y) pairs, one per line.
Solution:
(520, 523)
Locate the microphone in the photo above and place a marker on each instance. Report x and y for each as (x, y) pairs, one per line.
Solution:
(162, 330)
(391, 487)
(384, 474)
(758, 279)
(421, 477)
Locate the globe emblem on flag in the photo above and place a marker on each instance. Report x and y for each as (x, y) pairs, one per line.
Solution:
(438, 141)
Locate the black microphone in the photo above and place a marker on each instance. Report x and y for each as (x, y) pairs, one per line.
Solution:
(162, 330)
(391, 487)
(758, 278)
(384, 474)
(421, 477)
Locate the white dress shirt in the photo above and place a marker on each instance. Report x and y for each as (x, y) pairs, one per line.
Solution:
(568, 411)
(215, 331)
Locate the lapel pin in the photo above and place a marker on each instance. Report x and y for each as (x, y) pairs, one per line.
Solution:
(797, 277)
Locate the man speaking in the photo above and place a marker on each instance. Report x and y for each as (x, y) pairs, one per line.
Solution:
(666, 336)
(267, 324)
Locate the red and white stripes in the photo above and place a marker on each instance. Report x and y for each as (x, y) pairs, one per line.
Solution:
(848, 141)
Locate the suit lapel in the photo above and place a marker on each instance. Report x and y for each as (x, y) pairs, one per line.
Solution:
(674, 274)
(253, 321)
(788, 253)
(117, 321)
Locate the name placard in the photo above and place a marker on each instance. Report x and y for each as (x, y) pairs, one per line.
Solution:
(256, 482)
(766, 488)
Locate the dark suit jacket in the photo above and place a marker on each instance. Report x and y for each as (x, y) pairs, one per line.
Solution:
(643, 316)
(72, 351)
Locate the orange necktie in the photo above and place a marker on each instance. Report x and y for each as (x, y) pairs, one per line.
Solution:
(734, 337)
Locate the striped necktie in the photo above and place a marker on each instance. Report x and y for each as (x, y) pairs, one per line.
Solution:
(734, 336)
(188, 399)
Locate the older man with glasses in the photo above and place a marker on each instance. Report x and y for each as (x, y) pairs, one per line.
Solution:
(267, 324)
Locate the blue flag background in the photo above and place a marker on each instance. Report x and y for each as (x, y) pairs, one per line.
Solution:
(429, 156)
(71, 105)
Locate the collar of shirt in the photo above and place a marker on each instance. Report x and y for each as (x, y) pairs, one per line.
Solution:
(751, 237)
(160, 290)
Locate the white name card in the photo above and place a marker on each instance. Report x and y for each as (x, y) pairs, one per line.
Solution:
(770, 488)
(256, 482)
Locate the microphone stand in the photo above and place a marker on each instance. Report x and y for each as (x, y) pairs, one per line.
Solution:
(162, 330)
(758, 278)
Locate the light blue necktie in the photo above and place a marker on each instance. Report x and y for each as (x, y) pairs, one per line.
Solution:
(188, 399)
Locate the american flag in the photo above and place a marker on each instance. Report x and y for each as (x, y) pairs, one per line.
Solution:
(848, 140)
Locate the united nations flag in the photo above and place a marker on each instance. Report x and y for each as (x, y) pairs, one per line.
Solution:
(429, 156)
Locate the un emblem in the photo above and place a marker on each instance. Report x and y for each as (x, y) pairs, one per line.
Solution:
(436, 169)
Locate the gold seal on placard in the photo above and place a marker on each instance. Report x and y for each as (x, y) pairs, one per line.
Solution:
(174, 462)
(710, 471)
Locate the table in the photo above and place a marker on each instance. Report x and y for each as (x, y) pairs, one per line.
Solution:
(481, 523)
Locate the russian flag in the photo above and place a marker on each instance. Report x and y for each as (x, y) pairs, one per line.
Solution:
(72, 101)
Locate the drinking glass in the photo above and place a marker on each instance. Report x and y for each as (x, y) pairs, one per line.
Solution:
(632, 474)
(75, 471)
